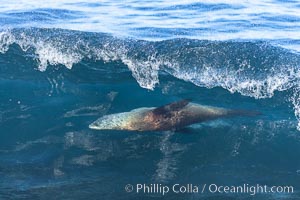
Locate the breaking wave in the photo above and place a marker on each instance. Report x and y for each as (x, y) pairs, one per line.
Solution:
(256, 69)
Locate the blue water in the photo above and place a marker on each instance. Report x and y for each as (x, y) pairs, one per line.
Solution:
(64, 64)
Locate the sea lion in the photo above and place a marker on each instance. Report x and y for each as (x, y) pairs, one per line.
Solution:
(168, 117)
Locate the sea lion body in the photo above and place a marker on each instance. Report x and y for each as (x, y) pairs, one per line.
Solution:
(190, 114)
(169, 117)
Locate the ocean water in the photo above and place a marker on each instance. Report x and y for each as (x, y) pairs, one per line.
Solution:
(66, 63)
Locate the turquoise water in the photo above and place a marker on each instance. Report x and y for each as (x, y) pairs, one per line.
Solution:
(64, 65)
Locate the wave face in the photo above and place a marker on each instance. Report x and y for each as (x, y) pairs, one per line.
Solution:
(252, 68)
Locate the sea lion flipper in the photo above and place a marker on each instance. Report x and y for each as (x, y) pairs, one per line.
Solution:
(164, 110)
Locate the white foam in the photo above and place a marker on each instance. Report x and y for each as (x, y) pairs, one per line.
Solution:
(295, 99)
(6, 39)
(55, 51)
(145, 72)
(48, 54)
(232, 81)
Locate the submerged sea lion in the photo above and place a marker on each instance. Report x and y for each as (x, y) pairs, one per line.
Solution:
(168, 117)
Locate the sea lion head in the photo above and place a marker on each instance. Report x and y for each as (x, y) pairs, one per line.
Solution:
(132, 120)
